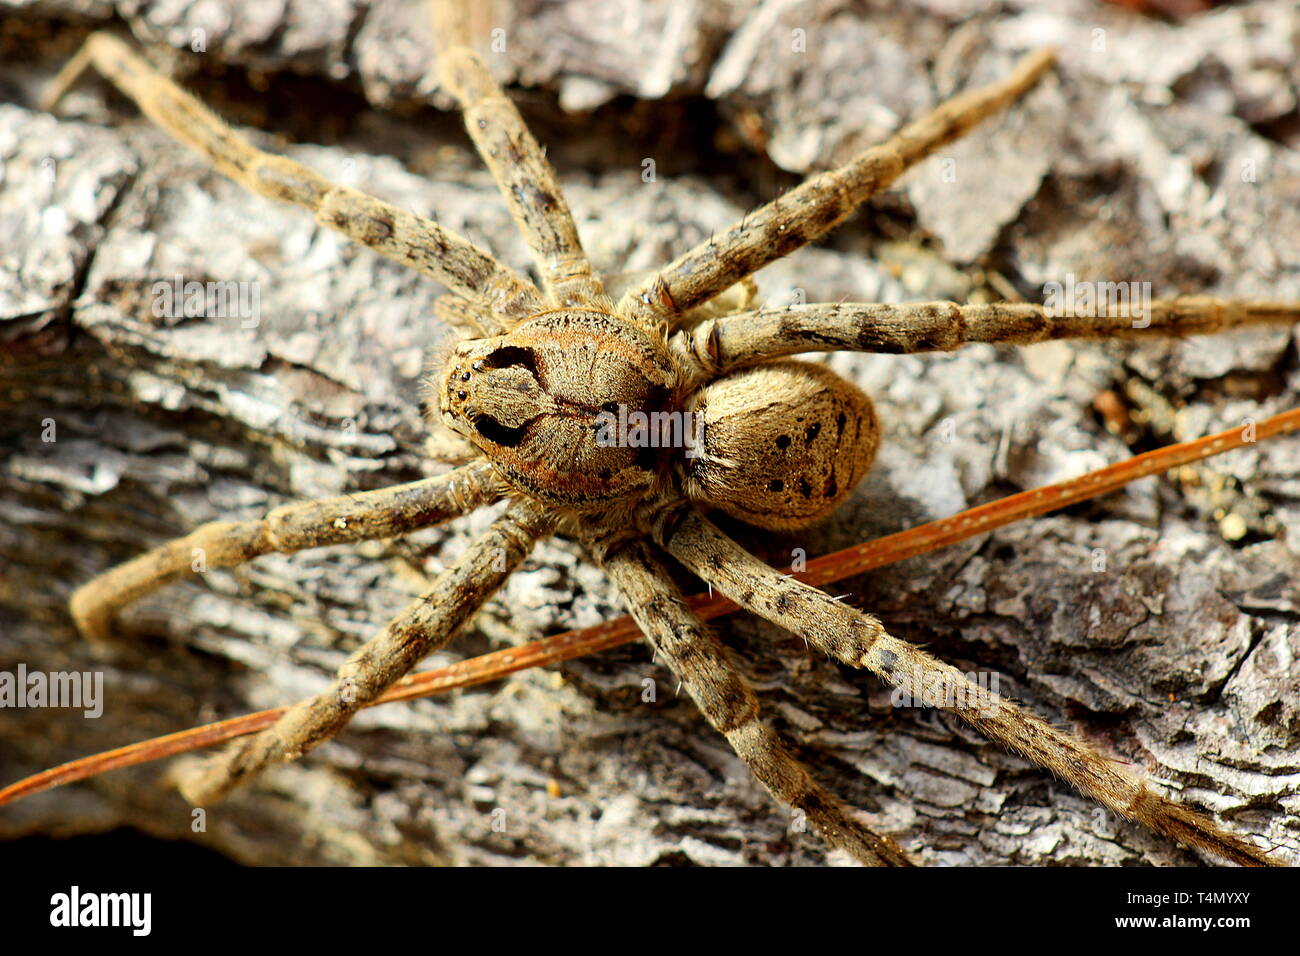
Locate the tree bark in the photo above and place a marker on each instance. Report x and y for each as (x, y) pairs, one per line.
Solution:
(1160, 622)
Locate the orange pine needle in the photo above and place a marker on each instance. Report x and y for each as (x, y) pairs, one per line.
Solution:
(824, 570)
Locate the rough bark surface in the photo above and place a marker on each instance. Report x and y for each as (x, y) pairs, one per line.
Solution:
(1161, 622)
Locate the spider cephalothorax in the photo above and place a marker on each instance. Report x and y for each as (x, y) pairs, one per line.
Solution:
(575, 405)
(545, 403)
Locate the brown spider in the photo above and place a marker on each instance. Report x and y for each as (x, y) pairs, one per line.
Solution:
(562, 395)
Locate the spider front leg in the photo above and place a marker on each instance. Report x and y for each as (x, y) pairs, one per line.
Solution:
(722, 344)
(859, 640)
(819, 203)
(424, 627)
(384, 513)
(415, 242)
(700, 661)
(461, 315)
(518, 163)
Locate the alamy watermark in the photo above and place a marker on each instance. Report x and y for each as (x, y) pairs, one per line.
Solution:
(24, 688)
(1085, 299)
(189, 299)
(976, 690)
(635, 429)
(133, 911)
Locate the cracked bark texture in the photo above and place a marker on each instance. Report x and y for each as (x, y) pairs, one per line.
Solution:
(1161, 622)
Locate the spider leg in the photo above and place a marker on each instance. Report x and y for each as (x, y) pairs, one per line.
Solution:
(384, 513)
(700, 661)
(819, 203)
(428, 624)
(741, 297)
(461, 315)
(519, 165)
(418, 243)
(719, 345)
(443, 444)
(860, 640)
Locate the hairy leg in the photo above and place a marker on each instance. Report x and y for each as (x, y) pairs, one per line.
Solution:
(461, 314)
(819, 204)
(860, 640)
(422, 628)
(518, 163)
(700, 660)
(741, 297)
(719, 345)
(384, 513)
(415, 242)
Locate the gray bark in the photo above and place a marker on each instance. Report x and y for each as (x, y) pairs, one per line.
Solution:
(1161, 622)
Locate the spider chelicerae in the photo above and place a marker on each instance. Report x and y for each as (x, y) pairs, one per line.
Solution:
(553, 389)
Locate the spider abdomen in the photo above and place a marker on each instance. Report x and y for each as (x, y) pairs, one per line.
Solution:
(783, 443)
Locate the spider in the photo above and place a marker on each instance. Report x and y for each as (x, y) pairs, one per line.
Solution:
(541, 373)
